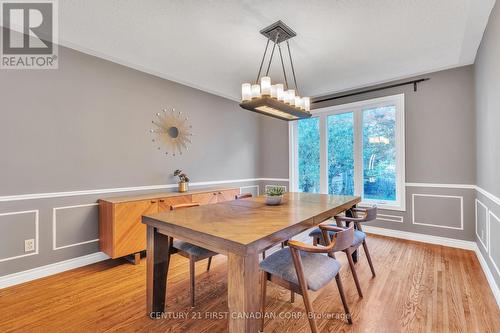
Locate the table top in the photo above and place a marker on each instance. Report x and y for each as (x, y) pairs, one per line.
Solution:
(249, 225)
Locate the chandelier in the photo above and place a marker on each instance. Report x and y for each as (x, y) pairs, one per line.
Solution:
(275, 100)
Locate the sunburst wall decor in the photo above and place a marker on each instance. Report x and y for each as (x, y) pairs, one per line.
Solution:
(172, 131)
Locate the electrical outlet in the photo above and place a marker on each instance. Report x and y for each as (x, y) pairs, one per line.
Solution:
(29, 245)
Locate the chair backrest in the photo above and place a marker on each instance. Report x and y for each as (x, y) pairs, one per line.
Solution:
(343, 239)
(371, 214)
(243, 196)
(186, 205)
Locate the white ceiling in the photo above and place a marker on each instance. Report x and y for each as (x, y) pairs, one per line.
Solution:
(215, 45)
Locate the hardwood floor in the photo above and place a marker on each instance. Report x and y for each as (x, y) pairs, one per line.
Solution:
(418, 288)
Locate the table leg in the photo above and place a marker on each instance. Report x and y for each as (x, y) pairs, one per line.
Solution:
(158, 258)
(351, 213)
(243, 292)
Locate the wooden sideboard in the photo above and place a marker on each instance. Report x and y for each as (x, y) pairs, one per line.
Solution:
(121, 232)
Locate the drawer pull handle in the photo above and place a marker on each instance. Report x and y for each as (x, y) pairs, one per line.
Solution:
(153, 201)
(220, 192)
(162, 200)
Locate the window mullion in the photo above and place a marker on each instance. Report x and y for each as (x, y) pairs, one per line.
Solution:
(323, 146)
(358, 152)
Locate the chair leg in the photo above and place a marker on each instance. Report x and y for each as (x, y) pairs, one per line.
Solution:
(342, 297)
(303, 287)
(315, 241)
(191, 279)
(353, 271)
(365, 247)
(263, 255)
(209, 263)
(263, 285)
(292, 296)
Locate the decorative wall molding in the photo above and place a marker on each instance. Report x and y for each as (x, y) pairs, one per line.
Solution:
(390, 218)
(438, 196)
(487, 194)
(441, 185)
(424, 238)
(43, 271)
(250, 186)
(50, 195)
(54, 227)
(491, 217)
(486, 224)
(37, 238)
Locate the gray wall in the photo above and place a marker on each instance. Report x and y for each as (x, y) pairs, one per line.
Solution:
(440, 148)
(85, 127)
(487, 79)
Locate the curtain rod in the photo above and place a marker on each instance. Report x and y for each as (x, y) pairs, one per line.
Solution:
(414, 82)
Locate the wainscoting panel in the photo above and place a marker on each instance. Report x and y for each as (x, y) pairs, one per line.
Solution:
(494, 247)
(482, 227)
(390, 218)
(433, 209)
(75, 225)
(254, 189)
(15, 228)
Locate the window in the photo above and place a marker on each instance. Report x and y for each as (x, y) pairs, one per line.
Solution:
(308, 155)
(352, 149)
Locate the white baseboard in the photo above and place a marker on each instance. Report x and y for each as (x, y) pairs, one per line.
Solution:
(489, 275)
(43, 271)
(451, 242)
(457, 243)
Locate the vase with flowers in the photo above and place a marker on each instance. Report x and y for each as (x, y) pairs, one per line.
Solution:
(183, 180)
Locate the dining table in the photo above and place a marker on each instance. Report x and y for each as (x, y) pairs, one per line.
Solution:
(240, 230)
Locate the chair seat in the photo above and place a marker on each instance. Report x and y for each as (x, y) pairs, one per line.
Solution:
(359, 236)
(192, 249)
(319, 269)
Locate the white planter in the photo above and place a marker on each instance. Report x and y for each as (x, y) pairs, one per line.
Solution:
(273, 200)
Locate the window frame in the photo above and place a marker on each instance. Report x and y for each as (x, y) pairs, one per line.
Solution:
(357, 109)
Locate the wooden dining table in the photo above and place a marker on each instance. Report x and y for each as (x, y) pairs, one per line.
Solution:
(240, 230)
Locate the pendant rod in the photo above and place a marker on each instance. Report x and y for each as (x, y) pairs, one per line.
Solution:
(272, 53)
(413, 82)
(293, 69)
(283, 66)
(262, 62)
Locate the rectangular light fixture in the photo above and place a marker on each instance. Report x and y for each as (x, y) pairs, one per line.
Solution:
(274, 108)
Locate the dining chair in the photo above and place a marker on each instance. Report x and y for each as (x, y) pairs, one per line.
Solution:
(367, 215)
(193, 252)
(302, 267)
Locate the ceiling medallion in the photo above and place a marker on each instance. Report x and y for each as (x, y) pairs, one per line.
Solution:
(172, 131)
(275, 100)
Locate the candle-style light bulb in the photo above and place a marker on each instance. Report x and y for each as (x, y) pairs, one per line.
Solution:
(255, 91)
(265, 86)
(279, 92)
(307, 103)
(291, 97)
(274, 91)
(246, 92)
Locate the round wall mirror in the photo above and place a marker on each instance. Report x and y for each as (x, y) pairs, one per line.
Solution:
(173, 132)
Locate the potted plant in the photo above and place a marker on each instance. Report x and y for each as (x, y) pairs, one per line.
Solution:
(274, 195)
(183, 180)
